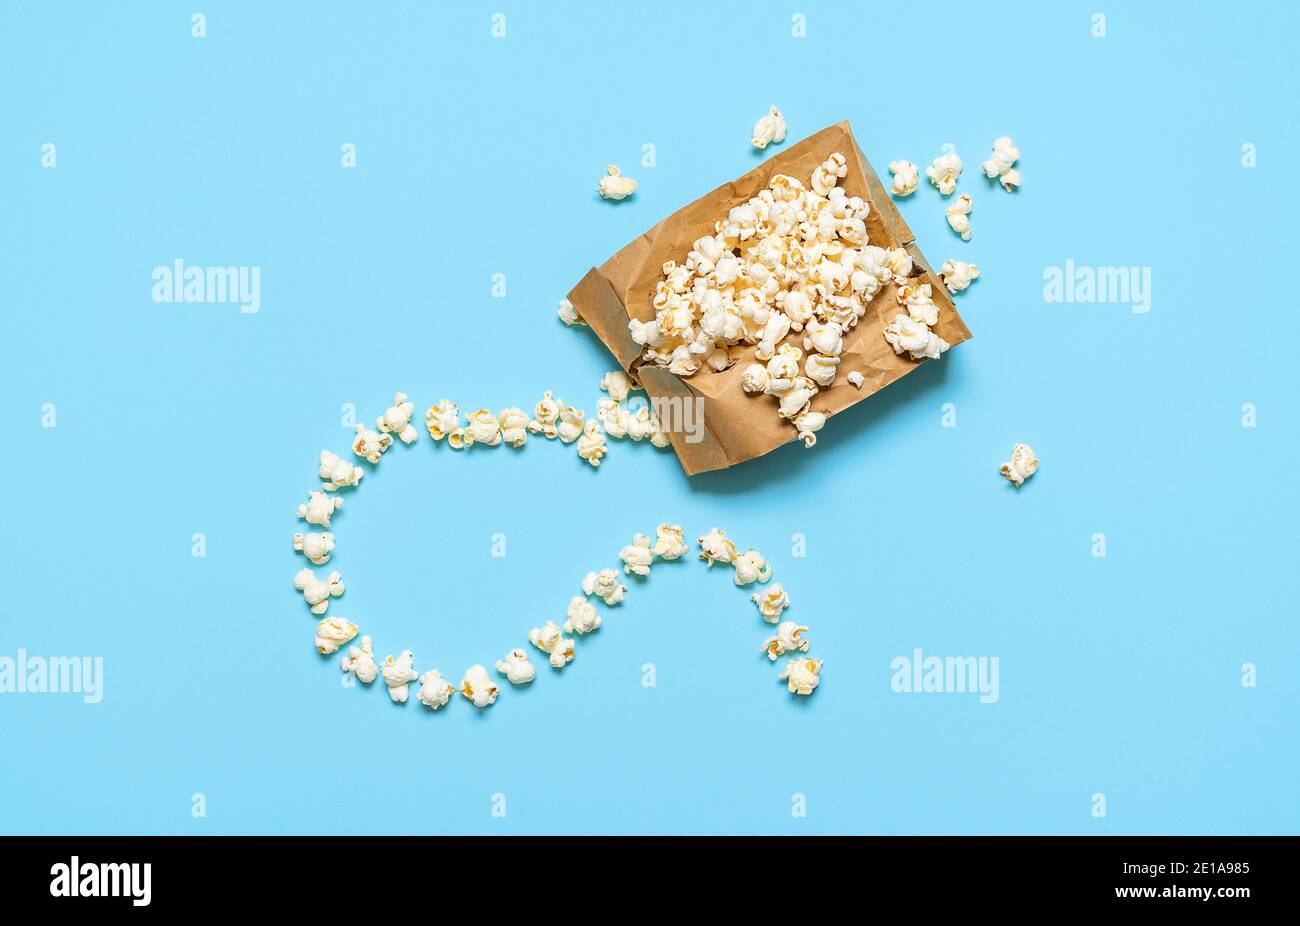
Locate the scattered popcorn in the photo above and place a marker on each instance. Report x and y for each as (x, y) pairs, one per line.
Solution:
(855, 379)
(957, 275)
(317, 593)
(768, 130)
(434, 691)
(959, 216)
(581, 616)
(477, 686)
(332, 633)
(316, 547)
(906, 178)
(615, 186)
(751, 567)
(483, 428)
(319, 508)
(789, 639)
(944, 171)
(809, 423)
(397, 674)
(604, 585)
(569, 314)
(514, 426)
(802, 676)
(360, 662)
(550, 639)
(715, 547)
(442, 419)
(771, 602)
(670, 544)
(338, 473)
(618, 384)
(571, 424)
(397, 419)
(1021, 466)
(369, 444)
(907, 334)
(516, 667)
(1001, 163)
(591, 446)
(637, 556)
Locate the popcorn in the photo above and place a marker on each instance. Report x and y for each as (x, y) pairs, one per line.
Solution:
(794, 401)
(957, 275)
(754, 378)
(1000, 164)
(319, 508)
(397, 674)
(637, 556)
(944, 171)
(809, 423)
(317, 593)
(397, 419)
(550, 639)
(613, 418)
(615, 186)
(802, 676)
(569, 314)
(483, 428)
(750, 567)
(959, 216)
(618, 384)
(906, 178)
(591, 446)
(571, 424)
(670, 544)
(770, 129)
(477, 686)
(919, 301)
(821, 369)
(828, 173)
(360, 662)
(338, 473)
(434, 691)
(789, 639)
(899, 264)
(316, 547)
(604, 585)
(771, 602)
(442, 419)
(906, 334)
(545, 415)
(516, 667)
(332, 633)
(369, 444)
(855, 379)
(1021, 466)
(715, 547)
(581, 616)
(514, 426)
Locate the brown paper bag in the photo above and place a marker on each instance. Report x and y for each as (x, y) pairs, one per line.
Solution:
(739, 426)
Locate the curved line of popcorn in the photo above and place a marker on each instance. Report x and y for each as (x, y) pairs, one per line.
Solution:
(551, 419)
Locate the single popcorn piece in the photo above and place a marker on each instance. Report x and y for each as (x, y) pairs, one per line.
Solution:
(959, 216)
(516, 667)
(637, 556)
(319, 507)
(755, 378)
(828, 173)
(802, 676)
(618, 384)
(514, 426)
(397, 674)
(906, 334)
(569, 314)
(370, 445)
(1001, 164)
(855, 379)
(716, 548)
(332, 633)
(591, 445)
(581, 616)
(944, 171)
(484, 428)
(957, 275)
(1021, 466)
(397, 419)
(899, 265)
(572, 421)
(434, 691)
(546, 414)
(615, 186)
(789, 639)
(771, 602)
(478, 687)
(316, 547)
(551, 640)
(613, 418)
(919, 302)
(808, 424)
(670, 543)
(442, 419)
(604, 585)
(906, 178)
(359, 662)
(750, 567)
(315, 592)
(338, 473)
(769, 130)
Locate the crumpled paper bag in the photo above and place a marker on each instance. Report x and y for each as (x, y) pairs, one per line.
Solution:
(739, 426)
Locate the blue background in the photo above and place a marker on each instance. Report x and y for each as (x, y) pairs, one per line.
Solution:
(479, 155)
